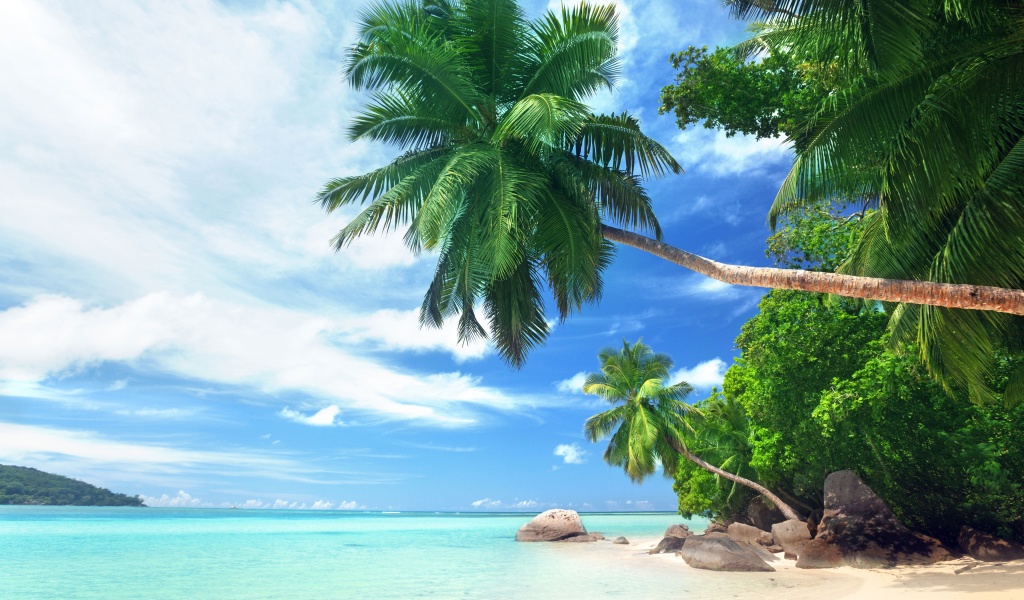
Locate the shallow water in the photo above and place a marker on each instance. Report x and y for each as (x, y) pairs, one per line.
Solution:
(114, 553)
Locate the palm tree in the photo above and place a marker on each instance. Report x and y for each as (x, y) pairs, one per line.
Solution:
(513, 182)
(648, 423)
(930, 127)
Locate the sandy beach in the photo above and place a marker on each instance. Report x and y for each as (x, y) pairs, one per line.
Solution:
(959, 578)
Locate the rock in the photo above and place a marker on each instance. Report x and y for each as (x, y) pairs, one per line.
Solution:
(791, 535)
(982, 546)
(857, 529)
(620, 540)
(812, 521)
(585, 537)
(775, 549)
(668, 544)
(681, 530)
(716, 527)
(551, 526)
(721, 553)
(749, 533)
(762, 515)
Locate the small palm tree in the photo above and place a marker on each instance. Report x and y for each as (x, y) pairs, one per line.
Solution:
(648, 424)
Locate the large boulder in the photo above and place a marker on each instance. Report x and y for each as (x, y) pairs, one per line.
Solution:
(762, 515)
(982, 546)
(721, 553)
(791, 535)
(748, 533)
(669, 544)
(552, 526)
(681, 530)
(857, 529)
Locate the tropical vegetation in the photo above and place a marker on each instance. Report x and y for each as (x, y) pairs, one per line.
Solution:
(511, 180)
(914, 109)
(822, 389)
(24, 485)
(650, 421)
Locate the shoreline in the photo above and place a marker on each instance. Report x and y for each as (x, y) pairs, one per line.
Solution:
(979, 581)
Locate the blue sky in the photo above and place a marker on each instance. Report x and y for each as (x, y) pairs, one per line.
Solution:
(173, 322)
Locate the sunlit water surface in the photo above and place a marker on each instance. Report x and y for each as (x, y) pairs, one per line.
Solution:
(115, 553)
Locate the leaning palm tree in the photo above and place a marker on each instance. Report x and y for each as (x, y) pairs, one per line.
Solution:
(648, 423)
(511, 180)
(930, 128)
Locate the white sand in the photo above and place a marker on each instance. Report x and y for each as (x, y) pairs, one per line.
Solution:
(980, 581)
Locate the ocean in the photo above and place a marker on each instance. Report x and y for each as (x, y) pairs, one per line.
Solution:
(154, 553)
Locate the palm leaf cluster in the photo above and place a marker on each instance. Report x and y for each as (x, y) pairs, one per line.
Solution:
(928, 125)
(648, 421)
(506, 175)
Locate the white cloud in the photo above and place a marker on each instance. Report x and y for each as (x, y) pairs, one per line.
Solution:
(485, 503)
(527, 504)
(400, 330)
(325, 417)
(573, 385)
(571, 454)
(728, 211)
(265, 348)
(182, 499)
(713, 152)
(704, 375)
(86, 454)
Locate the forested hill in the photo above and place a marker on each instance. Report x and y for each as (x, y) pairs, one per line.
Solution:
(23, 485)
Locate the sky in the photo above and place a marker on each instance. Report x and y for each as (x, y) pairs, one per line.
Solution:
(175, 324)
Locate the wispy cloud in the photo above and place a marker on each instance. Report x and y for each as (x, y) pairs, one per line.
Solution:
(325, 417)
(571, 454)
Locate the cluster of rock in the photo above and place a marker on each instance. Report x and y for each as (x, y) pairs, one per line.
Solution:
(856, 529)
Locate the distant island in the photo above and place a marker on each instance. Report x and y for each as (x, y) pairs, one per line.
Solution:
(24, 485)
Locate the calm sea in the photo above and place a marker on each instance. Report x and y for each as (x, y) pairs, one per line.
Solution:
(116, 553)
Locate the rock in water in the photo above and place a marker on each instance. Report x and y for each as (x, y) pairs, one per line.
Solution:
(982, 546)
(791, 535)
(748, 533)
(857, 529)
(620, 540)
(552, 526)
(720, 553)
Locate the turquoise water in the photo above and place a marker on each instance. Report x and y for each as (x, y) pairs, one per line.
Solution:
(115, 553)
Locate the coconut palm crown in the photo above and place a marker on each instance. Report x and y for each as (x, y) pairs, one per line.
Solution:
(506, 175)
(649, 414)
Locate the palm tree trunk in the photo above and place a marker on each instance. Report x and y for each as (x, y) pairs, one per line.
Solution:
(949, 295)
(681, 448)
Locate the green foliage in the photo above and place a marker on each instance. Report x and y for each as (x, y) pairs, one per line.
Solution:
(927, 119)
(727, 91)
(824, 390)
(720, 436)
(815, 238)
(23, 485)
(507, 176)
(648, 420)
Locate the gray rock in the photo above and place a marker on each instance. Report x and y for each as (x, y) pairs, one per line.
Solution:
(716, 527)
(681, 530)
(748, 533)
(552, 526)
(857, 529)
(982, 546)
(762, 515)
(620, 540)
(791, 535)
(721, 553)
(669, 544)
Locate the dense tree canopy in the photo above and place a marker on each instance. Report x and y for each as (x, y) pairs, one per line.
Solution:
(24, 485)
